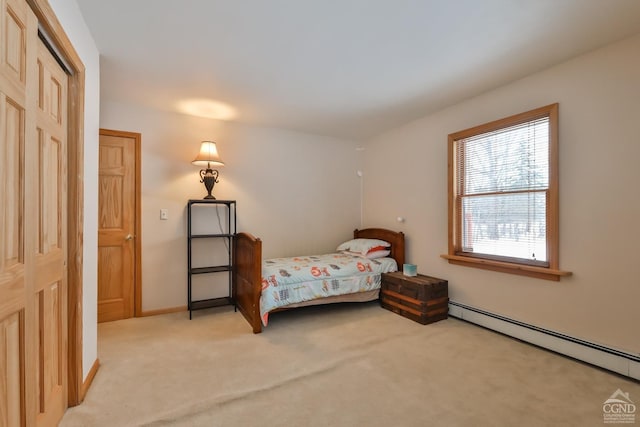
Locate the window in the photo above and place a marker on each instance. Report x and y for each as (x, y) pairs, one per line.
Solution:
(503, 195)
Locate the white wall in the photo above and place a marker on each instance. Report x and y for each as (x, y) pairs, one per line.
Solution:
(71, 19)
(599, 96)
(298, 192)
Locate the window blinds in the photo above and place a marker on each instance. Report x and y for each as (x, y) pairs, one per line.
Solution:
(502, 183)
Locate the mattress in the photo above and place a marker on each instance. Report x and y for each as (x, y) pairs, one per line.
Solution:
(291, 281)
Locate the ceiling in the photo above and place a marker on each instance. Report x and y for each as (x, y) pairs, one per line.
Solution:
(344, 68)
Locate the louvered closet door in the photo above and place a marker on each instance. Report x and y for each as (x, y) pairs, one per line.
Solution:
(33, 359)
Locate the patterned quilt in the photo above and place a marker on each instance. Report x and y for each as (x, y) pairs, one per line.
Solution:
(292, 280)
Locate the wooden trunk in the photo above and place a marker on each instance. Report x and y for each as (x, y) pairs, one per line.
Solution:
(421, 298)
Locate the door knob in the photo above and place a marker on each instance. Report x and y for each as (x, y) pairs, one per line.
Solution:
(129, 237)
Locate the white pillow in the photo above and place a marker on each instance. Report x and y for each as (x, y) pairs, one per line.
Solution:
(363, 246)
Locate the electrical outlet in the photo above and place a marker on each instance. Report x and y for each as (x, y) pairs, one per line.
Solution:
(164, 214)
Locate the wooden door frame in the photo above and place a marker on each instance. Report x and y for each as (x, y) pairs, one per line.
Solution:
(137, 277)
(75, 194)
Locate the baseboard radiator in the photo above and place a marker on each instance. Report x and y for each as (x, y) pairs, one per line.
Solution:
(623, 363)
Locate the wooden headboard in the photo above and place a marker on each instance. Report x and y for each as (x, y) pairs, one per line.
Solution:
(396, 238)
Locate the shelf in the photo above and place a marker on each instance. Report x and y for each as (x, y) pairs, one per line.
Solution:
(208, 303)
(204, 236)
(216, 269)
(227, 230)
(211, 202)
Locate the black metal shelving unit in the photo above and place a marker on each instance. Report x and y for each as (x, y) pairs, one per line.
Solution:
(225, 266)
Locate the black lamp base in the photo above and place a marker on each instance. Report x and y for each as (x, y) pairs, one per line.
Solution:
(209, 177)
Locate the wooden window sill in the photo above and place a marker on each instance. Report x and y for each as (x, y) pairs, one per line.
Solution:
(506, 267)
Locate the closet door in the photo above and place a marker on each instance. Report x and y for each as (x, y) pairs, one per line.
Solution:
(18, 96)
(50, 233)
(33, 357)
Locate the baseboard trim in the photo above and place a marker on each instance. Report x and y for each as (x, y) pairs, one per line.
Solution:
(614, 360)
(163, 311)
(89, 380)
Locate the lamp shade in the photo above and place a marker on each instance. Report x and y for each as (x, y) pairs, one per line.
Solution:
(208, 155)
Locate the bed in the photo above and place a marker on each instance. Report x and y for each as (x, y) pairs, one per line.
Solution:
(249, 281)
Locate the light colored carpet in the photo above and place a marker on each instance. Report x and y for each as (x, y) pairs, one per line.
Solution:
(340, 365)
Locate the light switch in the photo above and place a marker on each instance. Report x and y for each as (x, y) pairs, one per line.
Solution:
(164, 214)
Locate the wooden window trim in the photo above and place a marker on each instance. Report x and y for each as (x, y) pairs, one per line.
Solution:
(552, 272)
(507, 267)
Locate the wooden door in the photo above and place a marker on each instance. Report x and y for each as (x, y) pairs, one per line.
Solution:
(17, 105)
(51, 234)
(117, 225)
(33, 214)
